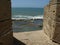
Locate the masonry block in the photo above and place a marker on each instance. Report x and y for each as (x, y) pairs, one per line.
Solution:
(52, 2)
(5, 9)
(6, 39)
(5, 26)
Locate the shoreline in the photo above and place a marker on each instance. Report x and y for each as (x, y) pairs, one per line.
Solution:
(27, 25)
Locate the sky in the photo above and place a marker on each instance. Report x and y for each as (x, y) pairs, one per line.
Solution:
(29, 3)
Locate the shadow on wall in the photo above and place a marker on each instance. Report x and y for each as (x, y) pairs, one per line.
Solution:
(17, 42)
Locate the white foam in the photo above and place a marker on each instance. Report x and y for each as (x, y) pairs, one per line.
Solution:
(19, 17)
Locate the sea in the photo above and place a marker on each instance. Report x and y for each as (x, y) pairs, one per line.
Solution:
(27, 14)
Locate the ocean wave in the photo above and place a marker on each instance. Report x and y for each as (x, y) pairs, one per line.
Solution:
(19, 17)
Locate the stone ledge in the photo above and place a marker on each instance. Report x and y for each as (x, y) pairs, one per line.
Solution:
(34, 38)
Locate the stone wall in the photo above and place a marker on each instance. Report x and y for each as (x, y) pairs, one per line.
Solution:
(52, 20)
(6, 33)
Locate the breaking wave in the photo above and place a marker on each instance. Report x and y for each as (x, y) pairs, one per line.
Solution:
(19, 17)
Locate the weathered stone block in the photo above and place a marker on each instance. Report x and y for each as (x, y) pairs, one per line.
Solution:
(6, 39)
(5, 26)
(54, 2)
(5, 9)
(58, 11)
(56, 37)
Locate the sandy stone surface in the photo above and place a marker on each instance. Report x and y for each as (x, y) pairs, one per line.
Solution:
(34, 38)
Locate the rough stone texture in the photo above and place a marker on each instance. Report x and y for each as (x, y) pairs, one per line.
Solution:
(52, 20)
(49, 20)
(6, 39)
(5, 11)
(54, 1)
(5, 23)
(5, 26)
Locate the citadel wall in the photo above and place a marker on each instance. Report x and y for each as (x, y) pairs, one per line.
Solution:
(6, 33)
(52, 20)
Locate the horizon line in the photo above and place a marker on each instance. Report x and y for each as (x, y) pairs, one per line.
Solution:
(27, 7)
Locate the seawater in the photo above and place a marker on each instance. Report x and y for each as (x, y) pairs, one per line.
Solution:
(27, 13)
